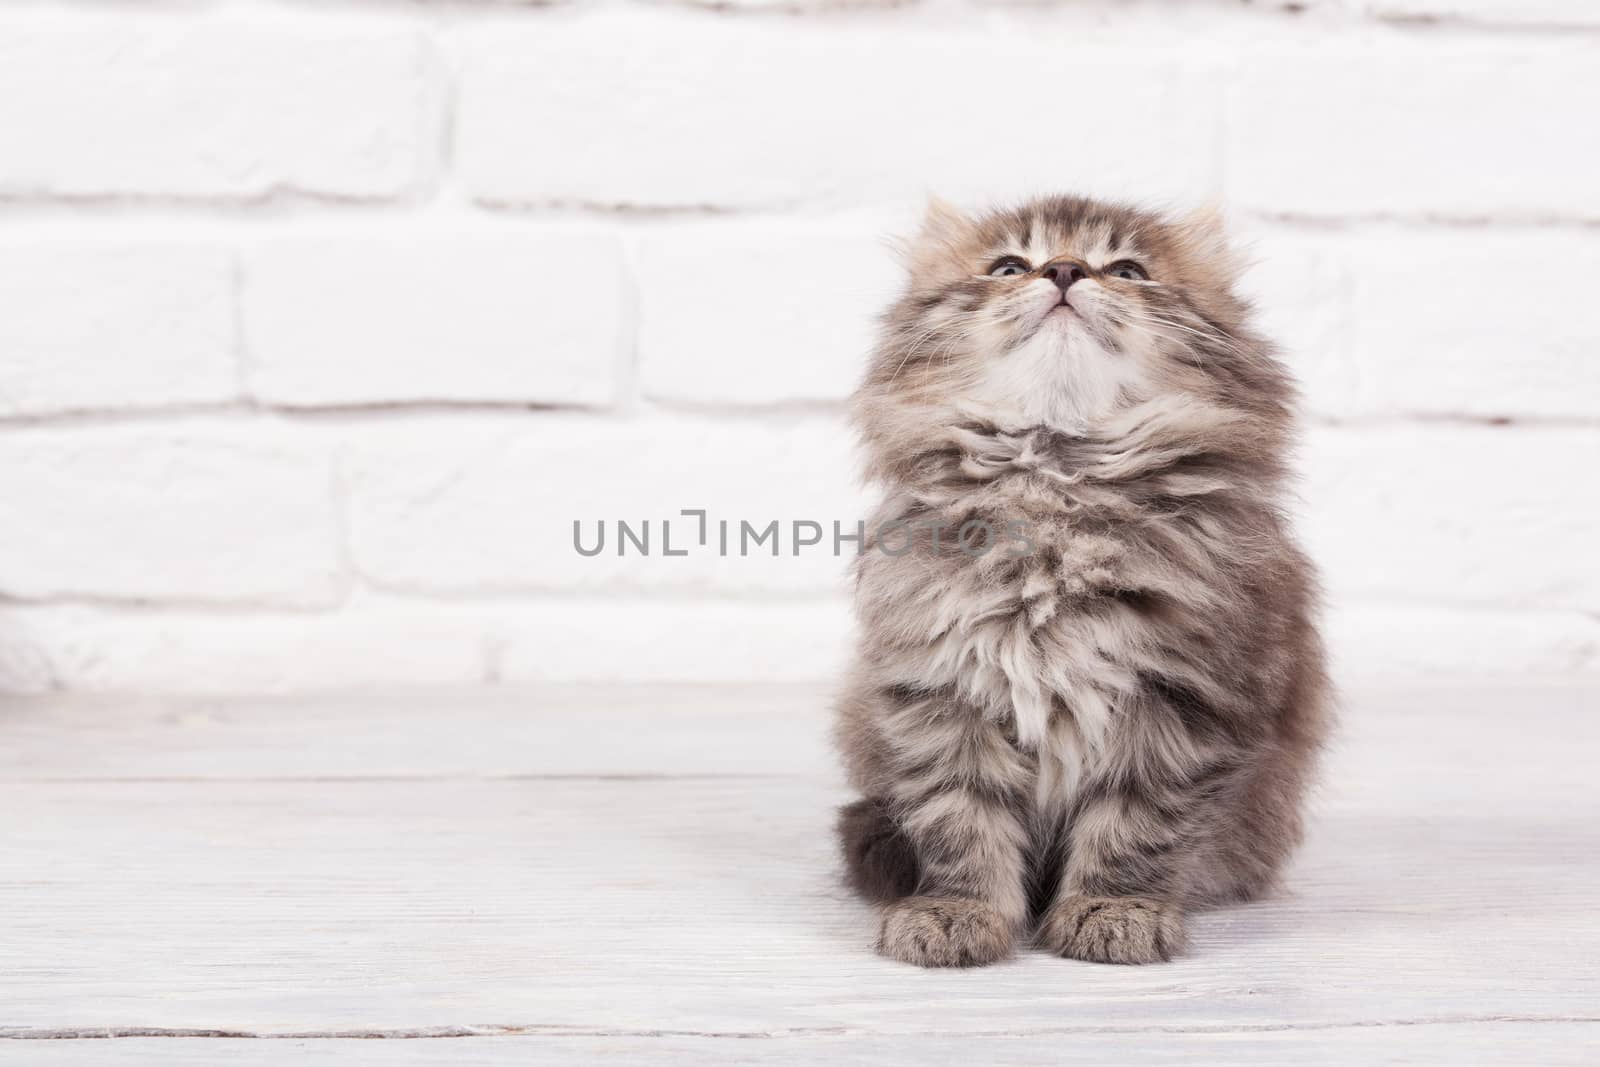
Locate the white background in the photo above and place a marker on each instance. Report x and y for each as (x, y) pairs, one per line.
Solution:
(321, 321)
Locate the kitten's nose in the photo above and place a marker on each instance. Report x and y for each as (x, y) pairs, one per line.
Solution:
(1064, 274)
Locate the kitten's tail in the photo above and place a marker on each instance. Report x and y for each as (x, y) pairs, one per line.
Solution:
(879, 861)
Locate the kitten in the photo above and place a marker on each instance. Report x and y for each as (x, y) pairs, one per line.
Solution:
(1094, 728)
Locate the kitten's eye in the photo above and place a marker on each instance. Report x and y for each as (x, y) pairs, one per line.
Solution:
(1008, 266)
(1128, 271)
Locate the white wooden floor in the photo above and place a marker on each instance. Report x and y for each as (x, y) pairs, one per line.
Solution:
(646, 876)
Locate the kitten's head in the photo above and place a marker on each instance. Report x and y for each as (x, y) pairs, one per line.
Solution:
(1064, 311)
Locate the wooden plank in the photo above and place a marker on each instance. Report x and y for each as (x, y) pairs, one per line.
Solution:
(663, 730)
(706, 905)
(1557, 1044)
(643, 864)
(491, 731)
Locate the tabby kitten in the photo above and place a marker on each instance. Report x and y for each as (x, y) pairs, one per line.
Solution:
(1089, 731)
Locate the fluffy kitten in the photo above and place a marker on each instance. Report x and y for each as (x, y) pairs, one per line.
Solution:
(1097, 729)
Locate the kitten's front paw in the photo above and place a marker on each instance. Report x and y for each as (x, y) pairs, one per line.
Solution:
(944, 932)
(1113, 929)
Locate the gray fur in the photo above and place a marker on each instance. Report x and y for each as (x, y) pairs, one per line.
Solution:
(1094, 737)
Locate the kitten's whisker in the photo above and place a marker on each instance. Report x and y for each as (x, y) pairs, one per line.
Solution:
(1155, 324)
(913, 347)
(1210, 334)
(957, 332)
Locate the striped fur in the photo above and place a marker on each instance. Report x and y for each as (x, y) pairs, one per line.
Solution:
(1093, 737)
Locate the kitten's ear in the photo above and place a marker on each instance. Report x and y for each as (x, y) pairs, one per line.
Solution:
(943, 226)
(1205, 230)
(942, 221)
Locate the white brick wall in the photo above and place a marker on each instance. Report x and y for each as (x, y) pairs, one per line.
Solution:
(641, 106)
(710, 291)
(483, 503)
(1456, 129)
(1477, 322)
(321, 322)
(192, 511)
(143, 104)
(383, 317)
(101, 325)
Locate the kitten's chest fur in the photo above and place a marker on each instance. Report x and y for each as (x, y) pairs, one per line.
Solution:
(1038, 637)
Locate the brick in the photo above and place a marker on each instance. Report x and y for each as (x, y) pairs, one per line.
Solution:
(1456, 515)
(1436, 321)
(381, 641)
(182, 108)
(642, 108)
(475, 505)
(376, 640)
(199, 511)
(1490, 324)
(1525, 12)
(372, 641)
(671, 641)
(1374, 641)
(534, 317)
(777, 6)
(91, 325)
(1455, 129)
(754, 314)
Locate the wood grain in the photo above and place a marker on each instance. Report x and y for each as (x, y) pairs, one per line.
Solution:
(1547, 1044)
(648, 874)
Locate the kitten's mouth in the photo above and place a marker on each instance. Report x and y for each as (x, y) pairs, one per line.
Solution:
(1063, 306)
